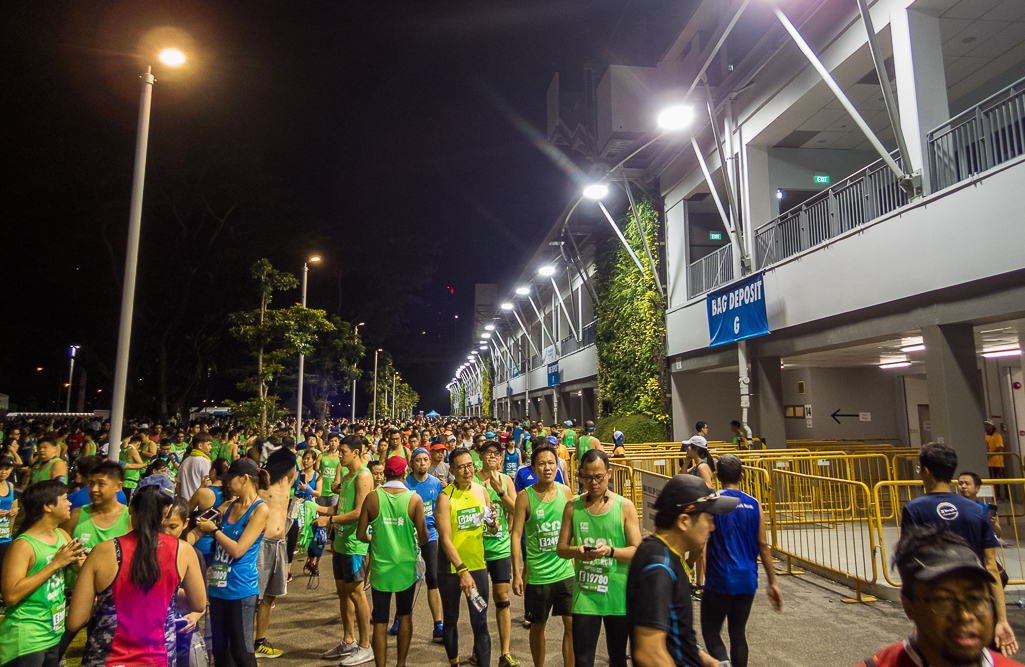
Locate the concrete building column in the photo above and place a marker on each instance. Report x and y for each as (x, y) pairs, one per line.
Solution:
(759, 203)
(921, 86)
(767, 402)
(955, 393)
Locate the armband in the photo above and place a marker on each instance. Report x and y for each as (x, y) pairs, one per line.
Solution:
(461, 568)
(612, 551)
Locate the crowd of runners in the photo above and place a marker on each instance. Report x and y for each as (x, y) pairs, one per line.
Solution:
(176, 552)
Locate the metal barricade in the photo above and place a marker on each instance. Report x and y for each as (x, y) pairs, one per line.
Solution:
(623, 483)
(1005, 494)
(814, 526)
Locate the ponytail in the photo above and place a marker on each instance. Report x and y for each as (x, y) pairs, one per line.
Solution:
(148, 505)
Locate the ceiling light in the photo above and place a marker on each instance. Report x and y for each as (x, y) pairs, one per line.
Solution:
(507, 306)
(596, 191)
(485, 335)
(522, 291)
(489, 327)
(913, 348)
(675, 117)
(546, 271)
(1002, 353)
(473, 352)
(896, 364)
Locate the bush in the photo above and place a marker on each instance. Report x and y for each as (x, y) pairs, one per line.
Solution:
(636, 429)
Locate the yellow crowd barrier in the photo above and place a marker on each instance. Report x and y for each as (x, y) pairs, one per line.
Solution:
(1008, 496)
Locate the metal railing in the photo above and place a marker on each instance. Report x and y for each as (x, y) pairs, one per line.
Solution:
(587, 335)
(863, 196)
(710, 271)
(984, 136)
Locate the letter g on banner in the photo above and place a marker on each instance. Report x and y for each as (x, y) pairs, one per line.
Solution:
(737, 311)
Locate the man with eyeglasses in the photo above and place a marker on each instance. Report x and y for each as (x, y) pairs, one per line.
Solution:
(949, 511)
(945, 591)
(599, 534)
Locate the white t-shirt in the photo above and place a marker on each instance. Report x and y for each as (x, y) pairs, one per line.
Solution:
(190, 475)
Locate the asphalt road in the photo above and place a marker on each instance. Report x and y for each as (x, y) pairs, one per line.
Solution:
(815, 627)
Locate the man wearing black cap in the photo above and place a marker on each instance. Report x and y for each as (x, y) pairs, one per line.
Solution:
(658, 596)
(945, 591)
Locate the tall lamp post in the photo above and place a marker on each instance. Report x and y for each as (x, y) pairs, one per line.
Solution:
(394, 381)
(171, 58)
(373, 417)
(302, 358)
(354, 381)
(71, 375)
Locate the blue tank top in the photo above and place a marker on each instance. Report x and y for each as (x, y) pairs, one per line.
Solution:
(512, 462)
(731, 563)
(7, 522)
(234, 578)
(205, 544)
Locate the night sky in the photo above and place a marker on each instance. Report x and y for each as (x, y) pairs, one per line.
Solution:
(365, 132)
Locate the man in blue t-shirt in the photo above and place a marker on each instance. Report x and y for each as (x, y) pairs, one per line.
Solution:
(959, 515)
(428, 487)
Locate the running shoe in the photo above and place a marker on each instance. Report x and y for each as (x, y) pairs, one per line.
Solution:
(265, 650)
(697, 592)
(439, 631)
(341, 650)
(526, 625)
(472, 660)
(394, 629)
(508, 661)
(360, 656)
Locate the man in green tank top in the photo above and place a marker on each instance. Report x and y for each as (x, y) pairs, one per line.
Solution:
(599, 535)
(498, 546)
(33, 578)
(48, 463)
(104, 517)
(399, 528)
(353, 482)
(134, 464)
(329, 470)
(549, 579)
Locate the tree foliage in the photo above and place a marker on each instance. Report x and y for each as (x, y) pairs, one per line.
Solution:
(630, 338)
(333, 365)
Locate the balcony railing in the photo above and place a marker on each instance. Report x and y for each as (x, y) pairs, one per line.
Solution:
(710, 271)
(990, 133)
(863, 196)
(587, 335)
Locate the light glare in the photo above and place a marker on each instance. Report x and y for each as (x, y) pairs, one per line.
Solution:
(172, 57)
(546, 271)
(675, 117)
(523, 291)
(507, 306)
(596, 191)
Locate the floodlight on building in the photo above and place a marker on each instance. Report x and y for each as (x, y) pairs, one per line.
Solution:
(675, 117)
(596, 191)
(546, 271)
(523, 291)
(507, 306)
(489, 327)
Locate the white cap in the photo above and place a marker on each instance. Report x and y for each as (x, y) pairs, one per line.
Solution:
(697, 441)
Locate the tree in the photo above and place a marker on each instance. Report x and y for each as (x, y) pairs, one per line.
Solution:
(272, 337)
(334, 364)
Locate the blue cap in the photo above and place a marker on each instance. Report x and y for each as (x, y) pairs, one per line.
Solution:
(419, 450)
(489, 434)
(159, 481)
(552, 439)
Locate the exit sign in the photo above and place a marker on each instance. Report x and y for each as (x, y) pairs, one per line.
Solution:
(715, 236)
(822, 179)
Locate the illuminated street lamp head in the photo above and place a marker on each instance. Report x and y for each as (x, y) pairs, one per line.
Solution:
(489, 327)
(546, 271)
(473, 352)
(523, 291)
(596, 191)
(361, 324)
(507, 306)
(172, 57)
(314, 259)
(485, 335)
(675, 117)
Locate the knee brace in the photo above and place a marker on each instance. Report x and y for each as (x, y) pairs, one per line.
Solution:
(502, 605)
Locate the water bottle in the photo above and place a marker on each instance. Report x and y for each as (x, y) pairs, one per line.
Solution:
(478, 602)
(1021, 602)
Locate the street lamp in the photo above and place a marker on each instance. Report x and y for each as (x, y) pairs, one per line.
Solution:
(546, 271)
(171, 58)
(507, 306)
(394, 381)
(302, 357)
(374, 416)
(71, 375)
(354, 379)
(596, 191)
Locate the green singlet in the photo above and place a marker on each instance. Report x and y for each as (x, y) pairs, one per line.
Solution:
(328, 470)
(346, 541)
(477, 464)
(42, 474)
(570, 439)
(583, 445)
(466, 514)
(544, 520)
(131, 476)
(37, 622)
(90, 534)
(393, 558)
(499, 545)
(600, 585)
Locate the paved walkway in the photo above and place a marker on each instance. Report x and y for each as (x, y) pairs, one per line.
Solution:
(815, 628)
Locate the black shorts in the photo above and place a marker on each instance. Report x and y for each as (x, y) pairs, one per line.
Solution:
(349, 568)
(500, 570)
(382, 604)
(540, 600)
(429, 552)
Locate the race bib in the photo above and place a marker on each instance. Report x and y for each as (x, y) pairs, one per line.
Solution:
(429, 508)
(469, 518)
(57, 614)
(548, 540)
(593, 577)
(5, 528)
(217, 575)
